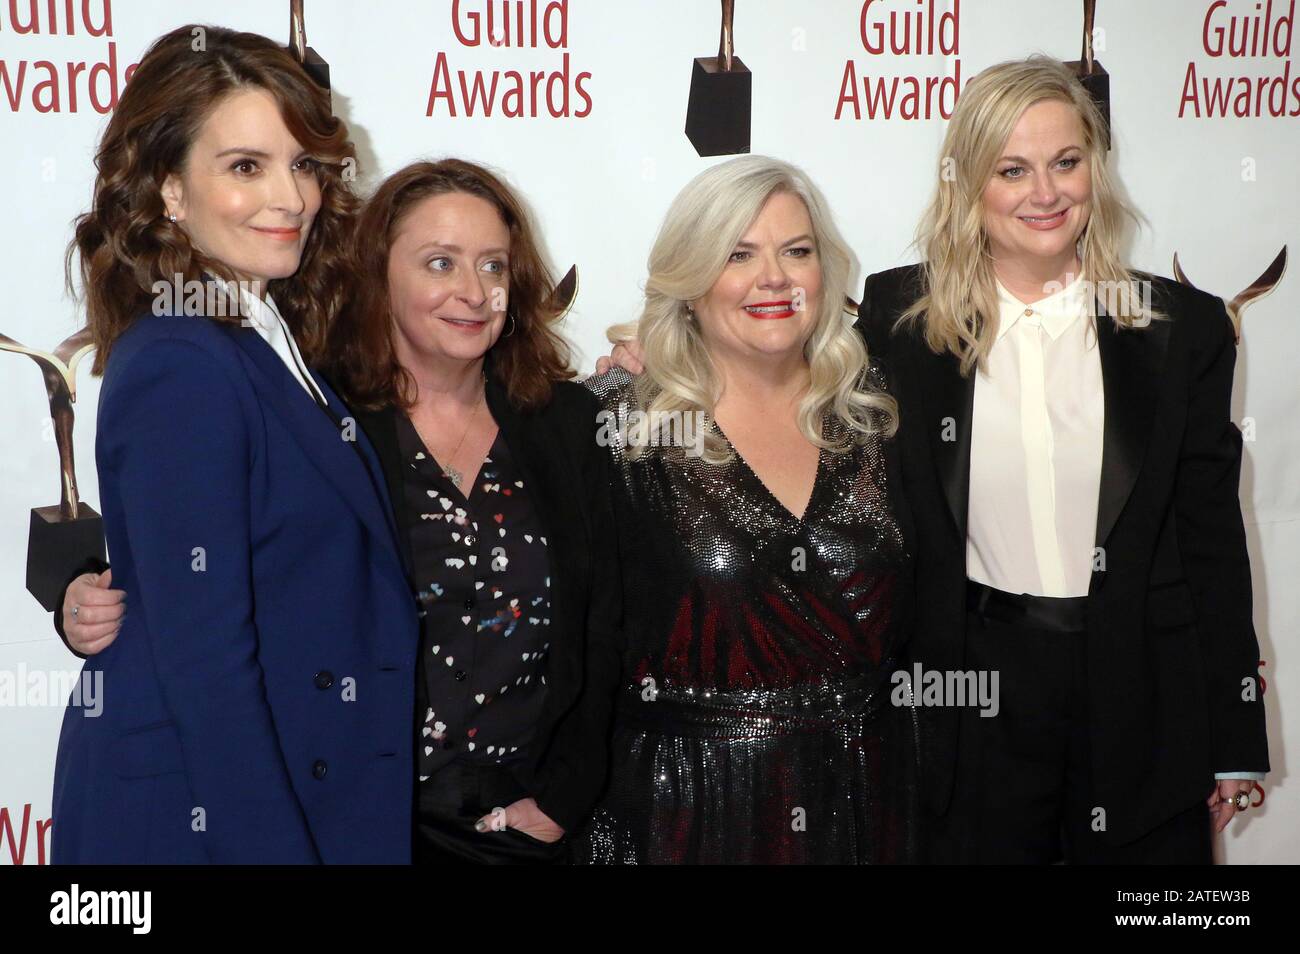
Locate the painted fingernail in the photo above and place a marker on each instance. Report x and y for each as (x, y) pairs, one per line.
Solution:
(480, 825)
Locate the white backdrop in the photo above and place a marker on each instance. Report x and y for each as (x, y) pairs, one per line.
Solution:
(1219, 190)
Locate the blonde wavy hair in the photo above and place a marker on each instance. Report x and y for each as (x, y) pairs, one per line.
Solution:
(960, 305)
(699, 233)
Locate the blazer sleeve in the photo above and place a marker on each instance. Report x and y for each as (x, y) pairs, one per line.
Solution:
(93, 565)
(578, 764)
(176, 444)
(873, 324)
(884, 298)
(1212, 545)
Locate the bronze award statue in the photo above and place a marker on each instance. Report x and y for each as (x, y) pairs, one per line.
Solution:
(566, 293)
(718, 114)
(64, 539)
(1091, 73)
(1256, 289)
(316, 67)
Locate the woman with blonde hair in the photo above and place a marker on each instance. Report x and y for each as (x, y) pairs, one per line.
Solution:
(1072, 470)
(766, 554)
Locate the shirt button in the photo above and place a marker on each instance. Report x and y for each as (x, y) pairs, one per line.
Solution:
(460, 675)
(319, 768)
(324, 679)
(1029, 312)
(469, 603)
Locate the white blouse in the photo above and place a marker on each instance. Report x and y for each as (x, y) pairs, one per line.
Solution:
(264, 318)
(1038, 424)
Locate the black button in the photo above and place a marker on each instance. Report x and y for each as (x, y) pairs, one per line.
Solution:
(460, 675)
(319, 768)
(324, 679)
(448, 744)
(469, 603)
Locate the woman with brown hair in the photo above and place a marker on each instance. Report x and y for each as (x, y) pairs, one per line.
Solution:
(502, 500)
(450, 360)
(257, 699)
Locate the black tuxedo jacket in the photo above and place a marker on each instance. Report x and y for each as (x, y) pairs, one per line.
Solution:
(1172, 653)
(570, 481)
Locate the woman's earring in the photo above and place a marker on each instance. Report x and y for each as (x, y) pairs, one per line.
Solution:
(512, 325)
(171, 217)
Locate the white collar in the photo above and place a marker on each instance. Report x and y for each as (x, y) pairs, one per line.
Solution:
(1055, 313)
(262, 312)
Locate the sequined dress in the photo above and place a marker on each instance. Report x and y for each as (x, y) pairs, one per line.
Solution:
(756, 721)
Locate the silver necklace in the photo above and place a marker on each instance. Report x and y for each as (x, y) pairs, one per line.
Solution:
(451, 473)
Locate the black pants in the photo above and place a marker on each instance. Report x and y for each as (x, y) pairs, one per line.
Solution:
(1022, 793)
(458, 795)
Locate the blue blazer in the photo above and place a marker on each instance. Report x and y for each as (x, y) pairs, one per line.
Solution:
(257, 706)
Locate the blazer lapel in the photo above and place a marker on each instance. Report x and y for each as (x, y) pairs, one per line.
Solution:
(381, 428)
(534, 451)
(363, 446)
(950, 401)
(317, 436)
(1132, 360)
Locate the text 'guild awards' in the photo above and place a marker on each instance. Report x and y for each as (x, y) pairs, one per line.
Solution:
(311, 61)
(718, 113)
(1091, 73)
(65, 538)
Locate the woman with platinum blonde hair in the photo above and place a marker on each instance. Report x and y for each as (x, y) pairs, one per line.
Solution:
(691, 251)
(766, 552)
(1072, 469)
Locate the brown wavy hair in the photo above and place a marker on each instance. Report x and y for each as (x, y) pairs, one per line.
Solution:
(359, 354)
(125, 242)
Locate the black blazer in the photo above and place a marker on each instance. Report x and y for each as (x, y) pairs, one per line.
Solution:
(1170, 636)
(571, 482)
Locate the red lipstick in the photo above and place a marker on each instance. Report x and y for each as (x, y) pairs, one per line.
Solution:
(770, 309)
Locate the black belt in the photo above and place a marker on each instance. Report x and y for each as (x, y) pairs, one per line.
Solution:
(1060, 614)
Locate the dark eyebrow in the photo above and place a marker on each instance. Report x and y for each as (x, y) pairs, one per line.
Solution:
(1023, 160)
(457, 250)
(799, 238)
(256, 153)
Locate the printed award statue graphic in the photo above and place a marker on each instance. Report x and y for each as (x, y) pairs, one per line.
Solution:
(1091, 73)
(66, 537)
(311, 61)
(718, 113)
(1255, 290)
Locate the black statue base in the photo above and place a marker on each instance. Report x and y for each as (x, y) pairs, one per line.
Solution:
(317, 69)
(718, 115)
(57, 549)
(1097, 83)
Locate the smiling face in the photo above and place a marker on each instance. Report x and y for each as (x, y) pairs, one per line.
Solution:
(448, 279)
(248, 193)
(766, 301)
(1038, 200)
